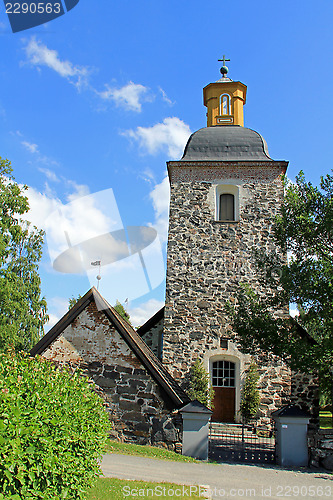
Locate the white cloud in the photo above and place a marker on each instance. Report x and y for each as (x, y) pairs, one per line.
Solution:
(165, 97)
(39, 55)
(32, 148)
(130, 96)
(171, 136)
(79, 190)
(293, 311)
(147, 175)
(160, 197)
(57, 307)
(139, 315)
(49, 174)
(66, 224)
(47, 160)
(78, 233)
(41, 206)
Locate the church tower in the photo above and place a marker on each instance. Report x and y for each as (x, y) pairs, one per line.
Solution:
(225, 193)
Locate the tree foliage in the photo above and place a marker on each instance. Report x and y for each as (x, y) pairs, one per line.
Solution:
(73, 300)
(53, 430)
(121, 310)
(304, 231)
(250, 398)
(22, 310)
(199, 384)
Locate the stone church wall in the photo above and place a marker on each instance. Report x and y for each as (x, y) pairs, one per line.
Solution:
(153, 338)
(137, 409)
(305, 394)
(279, 386)
(207, 260)
(274, 386)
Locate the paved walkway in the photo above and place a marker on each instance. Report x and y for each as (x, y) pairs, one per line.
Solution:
(227, 481)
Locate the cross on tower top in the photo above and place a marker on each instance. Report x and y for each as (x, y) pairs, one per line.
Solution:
(224, 60)
(224, 70)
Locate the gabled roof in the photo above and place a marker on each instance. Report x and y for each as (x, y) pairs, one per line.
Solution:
(148, 325)
(195, 407)
(304, 334)
(290, 411)
(153, 365)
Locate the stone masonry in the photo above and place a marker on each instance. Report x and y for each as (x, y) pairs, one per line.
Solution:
(153, 337)
(321, 448)
(138, 410)
(207, 259)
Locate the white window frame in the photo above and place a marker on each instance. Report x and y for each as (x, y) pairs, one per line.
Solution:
(228, 104)
(219, 370)
(233, 359)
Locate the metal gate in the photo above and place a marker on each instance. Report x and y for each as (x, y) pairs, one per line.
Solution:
(238, 443)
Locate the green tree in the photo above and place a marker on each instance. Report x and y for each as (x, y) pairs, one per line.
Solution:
(72, 301)
(121, 310)
(199, 384)
(250, 398)
(304, 230)
(53, 430)
(22, 310)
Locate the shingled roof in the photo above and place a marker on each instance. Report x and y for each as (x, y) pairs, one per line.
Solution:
(153, 365)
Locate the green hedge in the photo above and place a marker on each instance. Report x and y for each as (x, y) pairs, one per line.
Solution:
(53, 430)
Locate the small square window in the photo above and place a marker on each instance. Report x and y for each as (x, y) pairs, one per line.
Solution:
(223, 343)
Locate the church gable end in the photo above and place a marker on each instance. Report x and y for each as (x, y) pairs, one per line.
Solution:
(139, 404)
(152, 332)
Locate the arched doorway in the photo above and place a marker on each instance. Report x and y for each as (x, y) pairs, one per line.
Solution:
(224, 385)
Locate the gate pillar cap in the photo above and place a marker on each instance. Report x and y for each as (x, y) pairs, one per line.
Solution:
(195, 407)
(290, 411)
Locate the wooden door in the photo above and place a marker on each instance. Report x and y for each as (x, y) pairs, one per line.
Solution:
(224, 404)
(223, 382)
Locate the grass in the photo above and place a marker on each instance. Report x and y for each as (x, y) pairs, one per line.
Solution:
(147, 451)
(119, 489)
(325, 419)
(111, 488)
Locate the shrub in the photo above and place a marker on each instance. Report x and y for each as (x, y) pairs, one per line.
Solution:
(199, 385)
(250, 399)
(53, 430)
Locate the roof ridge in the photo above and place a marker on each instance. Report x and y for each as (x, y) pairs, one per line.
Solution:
(147, 351)
(131, 337)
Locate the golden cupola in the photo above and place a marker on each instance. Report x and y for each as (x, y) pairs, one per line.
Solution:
(224, 100)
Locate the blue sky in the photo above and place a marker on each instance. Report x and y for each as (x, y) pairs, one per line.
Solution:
(100, 98)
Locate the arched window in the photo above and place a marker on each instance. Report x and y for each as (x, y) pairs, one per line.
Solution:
(227, 202)
(225, 108)
(227, 207)
(223, 374)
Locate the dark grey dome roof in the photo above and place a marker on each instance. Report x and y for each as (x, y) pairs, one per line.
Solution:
(226, 143)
